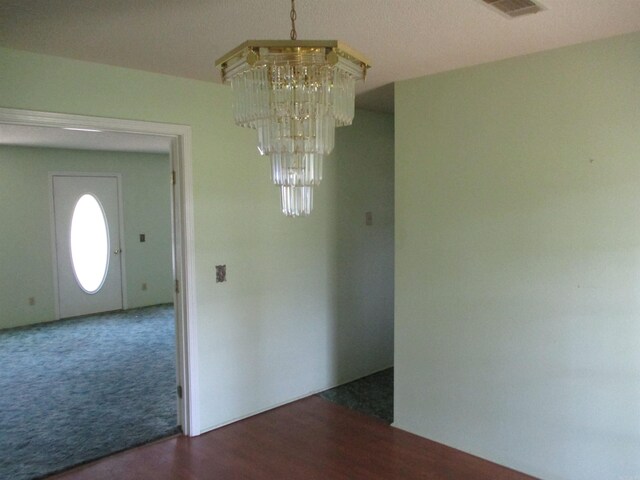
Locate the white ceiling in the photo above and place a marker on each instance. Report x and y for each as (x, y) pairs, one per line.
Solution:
(403, 38)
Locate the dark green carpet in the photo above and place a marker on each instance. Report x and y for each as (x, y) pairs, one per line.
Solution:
(372, 395)
(75, 390)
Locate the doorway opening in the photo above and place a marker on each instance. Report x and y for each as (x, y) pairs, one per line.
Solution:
(178, 141)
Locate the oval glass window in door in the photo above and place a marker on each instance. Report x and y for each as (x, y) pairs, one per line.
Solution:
(89, 243)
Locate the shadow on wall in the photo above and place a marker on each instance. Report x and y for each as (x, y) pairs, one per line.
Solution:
(364, 246)
(381, 99)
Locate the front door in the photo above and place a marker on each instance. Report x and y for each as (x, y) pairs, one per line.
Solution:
(88, 251)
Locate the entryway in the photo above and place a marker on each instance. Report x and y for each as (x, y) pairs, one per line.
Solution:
(102, 238)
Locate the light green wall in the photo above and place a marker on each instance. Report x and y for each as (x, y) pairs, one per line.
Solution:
(267, 335)
(518, 260)
(26, 261)
(365, 169)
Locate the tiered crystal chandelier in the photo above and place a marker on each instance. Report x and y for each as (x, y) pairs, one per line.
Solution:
(294, 93)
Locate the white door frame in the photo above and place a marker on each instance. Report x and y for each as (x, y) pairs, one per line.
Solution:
(54, 248)
(183, 236)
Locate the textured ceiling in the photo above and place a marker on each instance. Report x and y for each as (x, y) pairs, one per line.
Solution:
(403, 38)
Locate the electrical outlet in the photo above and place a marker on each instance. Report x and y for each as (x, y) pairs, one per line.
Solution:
(221, 273)
(144, 286)
(143, 238)
(32, 300)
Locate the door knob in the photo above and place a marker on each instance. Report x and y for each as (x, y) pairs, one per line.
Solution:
(116, 252)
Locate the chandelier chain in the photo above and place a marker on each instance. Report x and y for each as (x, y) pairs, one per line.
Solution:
(293, 15)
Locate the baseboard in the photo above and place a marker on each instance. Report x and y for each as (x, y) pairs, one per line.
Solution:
(286, 402)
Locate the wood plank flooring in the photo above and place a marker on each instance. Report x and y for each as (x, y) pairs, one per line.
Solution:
(308, 439)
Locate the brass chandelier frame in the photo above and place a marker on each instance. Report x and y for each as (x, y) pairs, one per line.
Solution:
(249, 51)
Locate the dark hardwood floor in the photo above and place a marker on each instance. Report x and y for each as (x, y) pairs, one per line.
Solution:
(308, 439)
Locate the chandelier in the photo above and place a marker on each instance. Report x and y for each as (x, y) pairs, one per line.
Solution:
(294, 93)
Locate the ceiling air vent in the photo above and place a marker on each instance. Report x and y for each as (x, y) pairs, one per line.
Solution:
(514, 8)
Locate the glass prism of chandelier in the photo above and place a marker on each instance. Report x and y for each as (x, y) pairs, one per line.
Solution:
(294, 93)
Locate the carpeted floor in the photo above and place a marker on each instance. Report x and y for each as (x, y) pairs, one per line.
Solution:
(372, 395)
(75, 390)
